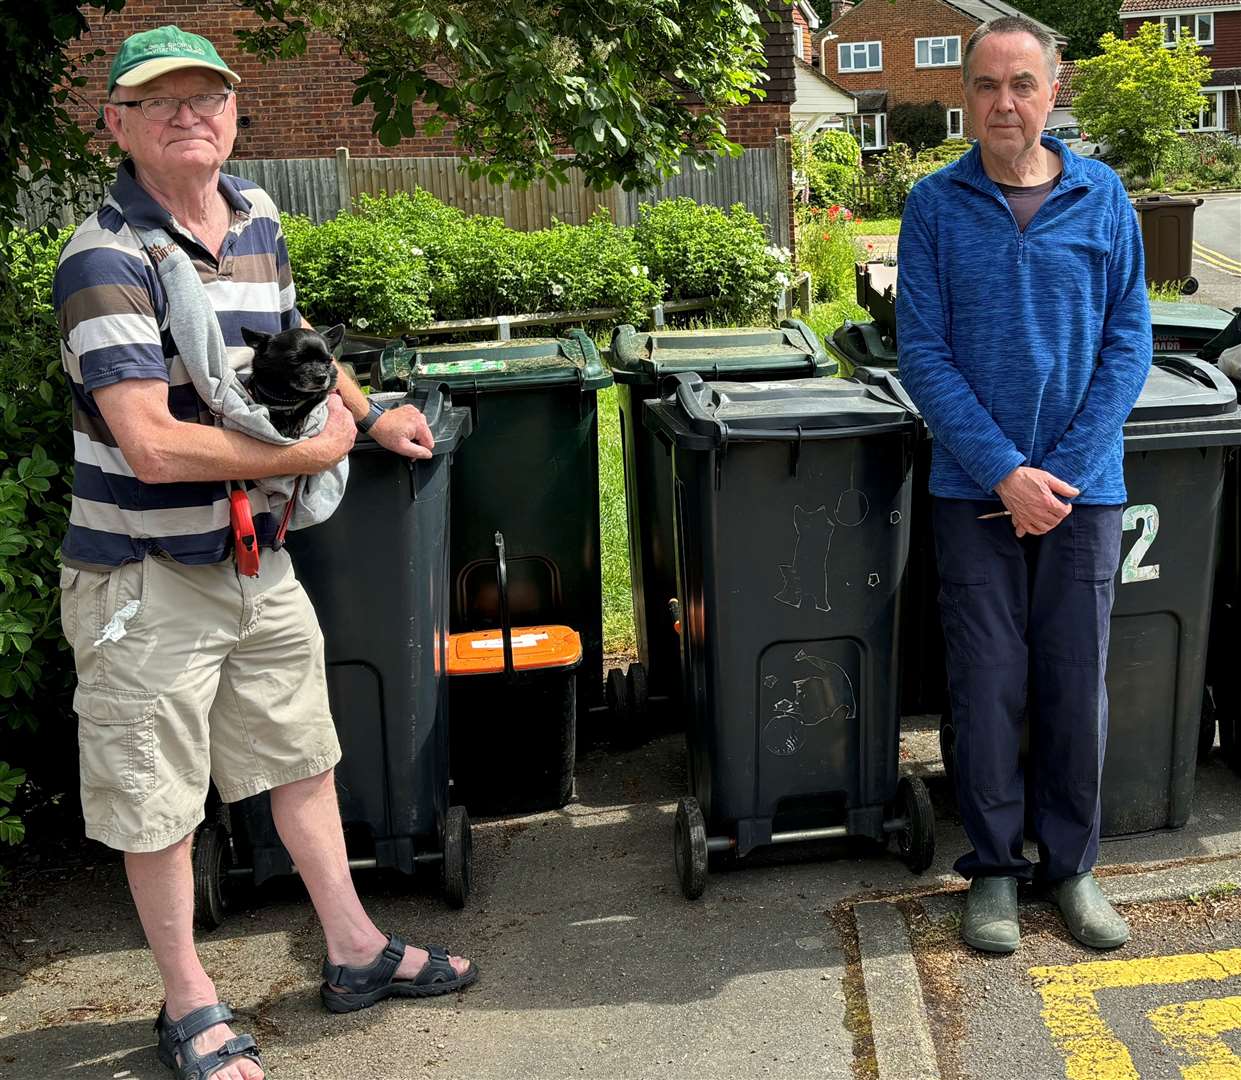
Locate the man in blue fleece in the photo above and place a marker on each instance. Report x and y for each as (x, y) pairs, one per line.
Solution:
(1025, 340)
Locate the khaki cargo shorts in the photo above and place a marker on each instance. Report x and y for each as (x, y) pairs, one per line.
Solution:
(187, 673)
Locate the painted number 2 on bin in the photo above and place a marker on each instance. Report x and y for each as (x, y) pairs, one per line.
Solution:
(1132, 569)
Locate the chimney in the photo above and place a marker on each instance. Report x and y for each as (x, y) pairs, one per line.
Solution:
(839, 7)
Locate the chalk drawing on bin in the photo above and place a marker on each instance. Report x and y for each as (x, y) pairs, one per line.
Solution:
(826, 696)
(806, 573)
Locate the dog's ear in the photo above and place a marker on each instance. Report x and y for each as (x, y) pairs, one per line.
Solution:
(256, 339)
(334, 336)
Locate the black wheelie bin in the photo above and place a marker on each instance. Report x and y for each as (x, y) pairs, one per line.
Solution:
(1177, 441)
(385, 630)
(640, 360)
(792, 529)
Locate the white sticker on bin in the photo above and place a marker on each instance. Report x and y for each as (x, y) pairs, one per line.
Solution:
(520, 641)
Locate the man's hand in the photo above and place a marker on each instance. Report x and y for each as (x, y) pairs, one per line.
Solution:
(336, 438)
(404, 431)
(1030, 495)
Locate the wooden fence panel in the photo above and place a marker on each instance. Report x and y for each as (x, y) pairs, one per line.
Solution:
(298, 185)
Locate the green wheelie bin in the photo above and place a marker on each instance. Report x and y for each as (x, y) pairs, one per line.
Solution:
(640, 362)
(530, 471)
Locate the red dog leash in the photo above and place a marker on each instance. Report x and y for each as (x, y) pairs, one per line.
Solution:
(245, 539)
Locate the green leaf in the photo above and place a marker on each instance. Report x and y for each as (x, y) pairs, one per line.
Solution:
(12, 829)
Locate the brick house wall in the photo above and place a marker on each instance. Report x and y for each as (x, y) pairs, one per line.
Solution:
(1224, 53)
(896, 26)
(303, 107)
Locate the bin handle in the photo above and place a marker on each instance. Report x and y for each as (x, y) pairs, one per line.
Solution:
(506, 629)
(1207, 374)
(802, 435)
(428, 399)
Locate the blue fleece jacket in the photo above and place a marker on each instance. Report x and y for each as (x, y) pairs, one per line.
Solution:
(1023, 348)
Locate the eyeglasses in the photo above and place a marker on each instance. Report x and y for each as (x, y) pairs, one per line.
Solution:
(163, 109)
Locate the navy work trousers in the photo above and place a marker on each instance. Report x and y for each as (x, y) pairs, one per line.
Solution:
(1026, 633)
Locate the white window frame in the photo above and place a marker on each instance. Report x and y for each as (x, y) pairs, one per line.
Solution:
(931, 43)
(801, 41)
(1218, 95)
(851, 47)
(879, 128)
(1183, 19)
(960, 129)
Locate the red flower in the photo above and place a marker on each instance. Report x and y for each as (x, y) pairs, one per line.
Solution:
(870, 247)
(827, 236)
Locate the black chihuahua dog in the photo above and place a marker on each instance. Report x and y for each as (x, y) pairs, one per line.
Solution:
(292, 373)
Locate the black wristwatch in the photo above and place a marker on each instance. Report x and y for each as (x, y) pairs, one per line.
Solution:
(374, 412)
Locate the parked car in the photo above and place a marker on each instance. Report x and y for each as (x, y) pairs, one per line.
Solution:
(1071, 135)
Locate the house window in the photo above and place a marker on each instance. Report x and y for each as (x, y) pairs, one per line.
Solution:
(937, 52)
(1210, 113)
(954, 123)
(860, 56)
(801, 42)
(1200, 27)
(870, 130)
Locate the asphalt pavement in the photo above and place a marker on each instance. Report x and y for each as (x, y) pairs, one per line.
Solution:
(1217, 251)
(593, 964)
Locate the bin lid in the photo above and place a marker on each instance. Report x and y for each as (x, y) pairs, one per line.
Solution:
(481, 652)
(510, 365)
(701, 415)
(646, 356)
(449, 425)
(1167, 317)
(1185, 402)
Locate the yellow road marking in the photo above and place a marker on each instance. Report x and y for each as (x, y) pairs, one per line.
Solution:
(1217, 259)
(1071, 1010)
(1194, 1028)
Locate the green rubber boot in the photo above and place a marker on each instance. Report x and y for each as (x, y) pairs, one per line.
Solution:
(1088, 914)
(990, 921)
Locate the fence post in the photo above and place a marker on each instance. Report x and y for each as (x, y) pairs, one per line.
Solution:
(344, 193)
(657, 317)
(805, 294)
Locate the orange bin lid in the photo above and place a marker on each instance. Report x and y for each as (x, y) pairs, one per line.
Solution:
(481, 652)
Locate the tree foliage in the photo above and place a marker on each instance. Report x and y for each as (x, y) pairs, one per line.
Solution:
(1137, 94)
(49, 159)
(1083, 22)
(621, 89)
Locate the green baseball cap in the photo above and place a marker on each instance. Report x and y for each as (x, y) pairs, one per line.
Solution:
(146, 56)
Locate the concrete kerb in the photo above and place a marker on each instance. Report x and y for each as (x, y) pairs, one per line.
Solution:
(904, 1048)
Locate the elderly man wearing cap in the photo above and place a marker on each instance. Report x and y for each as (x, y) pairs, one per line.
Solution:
(188, 670)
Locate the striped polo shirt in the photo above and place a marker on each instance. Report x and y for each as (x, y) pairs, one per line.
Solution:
(114, 325)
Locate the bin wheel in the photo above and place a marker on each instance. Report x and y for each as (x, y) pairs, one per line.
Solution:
(639, 695)
(616, 695)
(1206, 728)
(458, 856)
(916, 841)
(1189, 286)
(211, 860)
(689, 847)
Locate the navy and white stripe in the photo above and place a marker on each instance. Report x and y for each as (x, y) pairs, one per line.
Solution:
(114, 326)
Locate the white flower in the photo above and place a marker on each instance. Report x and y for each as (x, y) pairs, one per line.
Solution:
(646, 271)
(557, 290)
(785, 254)
(361, 324)
(782, 280)
(778, 253)
(417, 250)
(635, 270)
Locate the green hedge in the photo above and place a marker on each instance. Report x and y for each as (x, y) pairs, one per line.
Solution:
(402, 260)
(36, 455)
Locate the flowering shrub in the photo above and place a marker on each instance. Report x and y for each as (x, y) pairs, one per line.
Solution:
(358, 270)
(703, 251)
(827, 246)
